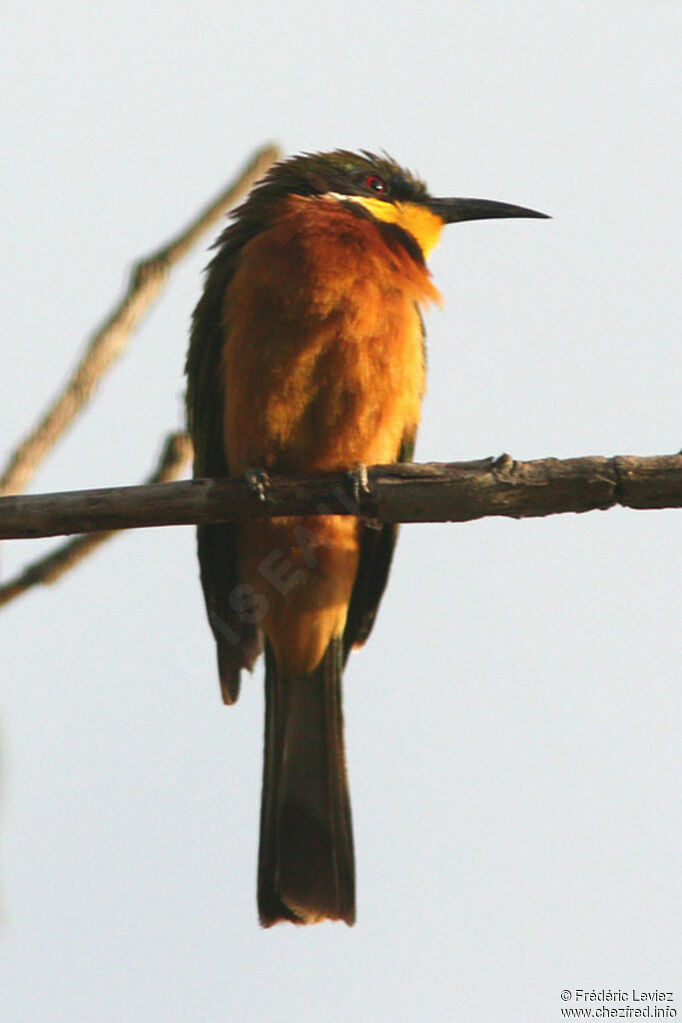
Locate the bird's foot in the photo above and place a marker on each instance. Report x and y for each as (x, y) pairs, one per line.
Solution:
(258, 483)
(359, 481)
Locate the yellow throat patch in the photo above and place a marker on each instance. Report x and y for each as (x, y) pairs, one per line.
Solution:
(424, 226)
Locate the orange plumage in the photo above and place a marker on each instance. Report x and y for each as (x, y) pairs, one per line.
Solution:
(307, 355)
(324, 368)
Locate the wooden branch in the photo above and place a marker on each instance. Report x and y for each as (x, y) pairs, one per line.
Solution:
(434, 492)
(175, 456)
(109, 341)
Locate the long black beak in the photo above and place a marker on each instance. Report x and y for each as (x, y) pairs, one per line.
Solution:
(451, 211)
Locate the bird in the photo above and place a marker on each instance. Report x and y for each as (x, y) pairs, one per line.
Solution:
(307, 355)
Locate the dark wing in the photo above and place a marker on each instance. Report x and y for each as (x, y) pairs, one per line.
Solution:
(238, 642)
(377, 542)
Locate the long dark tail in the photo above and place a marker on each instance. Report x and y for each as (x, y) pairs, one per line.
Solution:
(306, 869)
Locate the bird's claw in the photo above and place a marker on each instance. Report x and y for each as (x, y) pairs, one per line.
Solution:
(258, 483)
(359, 480)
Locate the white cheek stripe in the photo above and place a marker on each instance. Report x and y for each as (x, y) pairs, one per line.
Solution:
(341, 197)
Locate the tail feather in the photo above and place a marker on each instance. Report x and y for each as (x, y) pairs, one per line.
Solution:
(306, 869)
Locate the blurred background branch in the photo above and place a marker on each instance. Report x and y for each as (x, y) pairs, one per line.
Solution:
(104, 347)
(111, 339)
(175, 456)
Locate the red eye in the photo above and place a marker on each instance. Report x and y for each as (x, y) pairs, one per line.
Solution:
(376, 184)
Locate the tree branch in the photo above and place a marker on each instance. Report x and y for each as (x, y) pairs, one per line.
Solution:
(109, 341)
(434, 492)
(175, 455)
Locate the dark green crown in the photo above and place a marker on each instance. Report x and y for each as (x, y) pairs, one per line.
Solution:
(340, 171)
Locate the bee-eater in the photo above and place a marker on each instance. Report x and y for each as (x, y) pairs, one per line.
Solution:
(307, 355)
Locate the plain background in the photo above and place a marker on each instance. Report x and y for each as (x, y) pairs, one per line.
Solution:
(514, 724)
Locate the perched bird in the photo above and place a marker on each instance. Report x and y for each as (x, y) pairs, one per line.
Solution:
(306, 355)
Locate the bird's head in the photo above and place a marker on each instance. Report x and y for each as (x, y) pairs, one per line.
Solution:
(381, 188)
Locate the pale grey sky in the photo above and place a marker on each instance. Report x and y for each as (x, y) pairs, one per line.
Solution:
(514, 724)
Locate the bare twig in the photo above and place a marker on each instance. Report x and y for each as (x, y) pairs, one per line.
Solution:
(109, 341)
(176, 453)
(435, 492)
